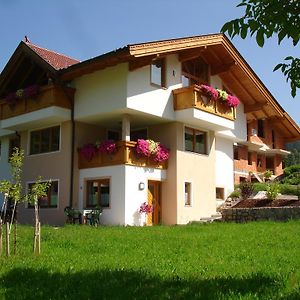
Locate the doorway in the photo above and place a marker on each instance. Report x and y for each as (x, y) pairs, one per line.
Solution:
(154, 198)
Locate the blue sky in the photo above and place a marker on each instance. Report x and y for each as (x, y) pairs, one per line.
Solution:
(84, 29)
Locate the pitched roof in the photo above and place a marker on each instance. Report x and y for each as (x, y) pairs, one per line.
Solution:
(56, 60)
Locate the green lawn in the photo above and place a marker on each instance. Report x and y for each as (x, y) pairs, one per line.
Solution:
(214, 261)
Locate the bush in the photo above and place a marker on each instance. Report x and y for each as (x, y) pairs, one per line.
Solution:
(259, 186)
(288, 189)
(292, 175)
(247, 189)
(272, 191)
(235, 194)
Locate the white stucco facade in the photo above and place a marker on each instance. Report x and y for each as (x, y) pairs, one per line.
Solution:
(126, 196)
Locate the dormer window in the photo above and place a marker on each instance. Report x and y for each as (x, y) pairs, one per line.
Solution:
(158, 72)
(194, 71)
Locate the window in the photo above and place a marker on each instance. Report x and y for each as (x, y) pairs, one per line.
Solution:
(13, 143)
(236, 153)
(249, 158)
(195, 141)
(136, 134)
(49, 201)
(220, 194)
(260, 128)
(259, 161)
(194, 72)
(113, 135)
(0, 149)
(187, 194)
(45, 140)
(158, 72)
(98, 193)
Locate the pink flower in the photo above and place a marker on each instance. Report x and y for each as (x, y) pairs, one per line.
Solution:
(233, 101)
(146, 208)
(209, 91)
(142, 147)
(31, 91)
(108, 147)
(88, 151)
(162, 154)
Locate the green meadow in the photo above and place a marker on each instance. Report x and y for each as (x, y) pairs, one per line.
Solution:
(210, 261)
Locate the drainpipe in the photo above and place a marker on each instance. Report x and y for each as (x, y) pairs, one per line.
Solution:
(72, 152)
(71, 98)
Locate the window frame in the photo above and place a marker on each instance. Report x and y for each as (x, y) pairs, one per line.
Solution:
(98, 180)
(50, 144)
(29, 205)
(162, 83)
(194, 139)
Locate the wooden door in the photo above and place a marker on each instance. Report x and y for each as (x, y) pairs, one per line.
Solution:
(154, 198)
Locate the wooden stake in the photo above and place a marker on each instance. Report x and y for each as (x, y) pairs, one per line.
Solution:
(1, 237)
(7, 239)
(15, 237)
(39, 238)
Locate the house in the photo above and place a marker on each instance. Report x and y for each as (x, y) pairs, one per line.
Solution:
(142, 91)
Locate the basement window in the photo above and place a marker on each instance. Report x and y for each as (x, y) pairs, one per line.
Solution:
(187, 194)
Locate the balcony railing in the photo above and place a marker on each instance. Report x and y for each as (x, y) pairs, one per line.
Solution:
(48, 96)
(125, 155)
(193, 97)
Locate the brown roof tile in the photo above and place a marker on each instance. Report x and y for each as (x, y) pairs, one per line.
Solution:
(56, 60)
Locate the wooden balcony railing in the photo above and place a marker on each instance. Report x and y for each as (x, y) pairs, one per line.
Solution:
(193, 97)
(125, 154)
(48, 96)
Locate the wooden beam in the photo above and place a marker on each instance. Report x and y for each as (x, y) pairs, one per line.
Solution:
(140, 62)
(190, 54)
(215, 70)
(254, 107)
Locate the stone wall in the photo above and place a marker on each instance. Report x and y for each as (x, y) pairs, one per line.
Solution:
(241, 215)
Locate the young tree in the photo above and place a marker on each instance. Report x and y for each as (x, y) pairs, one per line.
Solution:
(12, 189)
(37, 191)
(265, 18)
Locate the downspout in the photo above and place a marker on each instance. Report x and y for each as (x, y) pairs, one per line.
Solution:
(72, 153)
(71, 98)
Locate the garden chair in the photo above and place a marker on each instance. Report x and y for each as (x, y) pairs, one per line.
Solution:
(73, 215)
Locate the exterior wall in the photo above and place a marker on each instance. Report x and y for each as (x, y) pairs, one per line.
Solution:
(125, 196)
(101, 92)
(267, 140)
(115, 214)
(55, 166)
(135, 197)
(151, 99)
(224, 165)
(4, 165)
(200, 171)
(167, 134)
(239, 132)
(84, 133)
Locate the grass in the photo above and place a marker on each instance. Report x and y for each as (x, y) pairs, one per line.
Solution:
(215, 261)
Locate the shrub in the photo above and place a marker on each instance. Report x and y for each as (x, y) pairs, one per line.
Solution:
(272, 191)
(288, 189)
(235, 194)
(246, 189)
(292, 169)
(268, 174)
(259, 186)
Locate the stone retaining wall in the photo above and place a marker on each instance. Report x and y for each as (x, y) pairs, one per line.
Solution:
(241, 215)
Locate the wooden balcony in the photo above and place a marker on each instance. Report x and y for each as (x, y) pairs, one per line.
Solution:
(48, 96)
(193, 97)
(125, 155)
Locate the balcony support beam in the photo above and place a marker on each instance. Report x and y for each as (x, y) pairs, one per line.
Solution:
(126, 128)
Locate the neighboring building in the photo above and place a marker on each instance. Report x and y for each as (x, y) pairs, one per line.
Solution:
(148, 90)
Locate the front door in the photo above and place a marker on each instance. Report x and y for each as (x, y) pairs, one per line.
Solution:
(154, 198)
